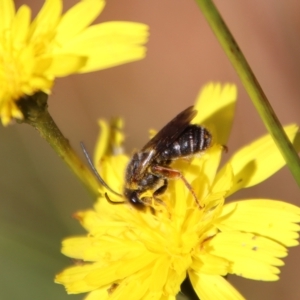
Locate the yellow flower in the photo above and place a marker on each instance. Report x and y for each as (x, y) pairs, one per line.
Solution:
(32, 54)
(132, 254)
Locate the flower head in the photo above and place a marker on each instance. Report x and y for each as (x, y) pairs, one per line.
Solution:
(132, 254)
(33, 54)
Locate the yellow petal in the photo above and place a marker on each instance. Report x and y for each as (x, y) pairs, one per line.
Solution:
(9, 111)
(78, 18)
(213, 287)
(251, 256)
(102, 245)
(74, 247)
(179, 208)
(216, 105)
(159, 275)
(89, 219)
(74, 278)
(103, 58)
(116, 136)
(7, 9)
(269, 218)
(210, 264)
(106, 211)
(39, 84)
(119, 270)
(98, 294)
(104, 35)
(202, 171)
(47, 18)
(109, 44)
(112, 170)
(20, 26)
(211, 163)
(223, 183)
(259, 160)
(102, 142)
(61, 65)
(166, 298)
(110, 139)
(127, 289)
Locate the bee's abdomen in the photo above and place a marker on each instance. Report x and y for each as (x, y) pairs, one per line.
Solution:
(193, 139)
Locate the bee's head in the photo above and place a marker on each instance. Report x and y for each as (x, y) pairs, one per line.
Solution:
(133, 197)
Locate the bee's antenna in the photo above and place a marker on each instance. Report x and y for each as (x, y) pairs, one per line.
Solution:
(100, 179)
(112, 202)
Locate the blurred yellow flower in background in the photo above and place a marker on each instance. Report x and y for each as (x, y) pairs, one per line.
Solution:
(33, 54)
(132, 254)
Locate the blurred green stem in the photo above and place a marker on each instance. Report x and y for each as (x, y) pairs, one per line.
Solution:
(34, 109)
(251, 85)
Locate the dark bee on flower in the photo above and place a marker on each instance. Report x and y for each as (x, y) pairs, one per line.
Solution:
(151, 167)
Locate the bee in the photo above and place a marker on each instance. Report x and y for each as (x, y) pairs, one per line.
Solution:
(151, 167)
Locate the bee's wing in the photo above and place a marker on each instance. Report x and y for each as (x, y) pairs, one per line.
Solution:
(169, 133)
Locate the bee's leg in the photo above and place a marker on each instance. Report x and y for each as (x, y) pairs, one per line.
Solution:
(174, 174)
(146, 201)
(149, 201)
(162, 188)
(160, 191)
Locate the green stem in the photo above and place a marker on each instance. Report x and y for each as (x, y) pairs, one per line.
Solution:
(36, 114)
(251, 85)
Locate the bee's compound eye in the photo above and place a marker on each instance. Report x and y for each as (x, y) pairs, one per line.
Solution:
(133, 198)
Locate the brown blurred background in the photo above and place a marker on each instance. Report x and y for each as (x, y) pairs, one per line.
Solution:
(39, 194)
